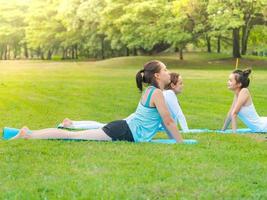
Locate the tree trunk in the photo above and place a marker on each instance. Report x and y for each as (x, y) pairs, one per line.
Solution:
(38, 52)
(181, 56)
(219, 44)
(113, 53)
(31, 54)
(102, 48)
(1, 52)
(76, 51)
(134, 52)
(208, 44)
(68, 53)
(244, 42)
(72, 53)
(248, 18)
(5, 52)
(15, 52)
(127, 51)
(49, 54)
(8, 52)
(236, 43)
(42, 55)
(63, 54)
(26, 54)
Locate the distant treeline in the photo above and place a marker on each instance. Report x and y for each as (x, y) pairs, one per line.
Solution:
(109, 28)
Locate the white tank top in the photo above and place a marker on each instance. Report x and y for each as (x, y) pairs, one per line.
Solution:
(251, 119)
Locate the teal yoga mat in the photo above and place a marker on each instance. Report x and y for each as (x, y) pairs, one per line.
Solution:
(9, 132)
(172, 141)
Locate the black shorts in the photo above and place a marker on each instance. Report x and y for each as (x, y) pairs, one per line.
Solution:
(118, 130)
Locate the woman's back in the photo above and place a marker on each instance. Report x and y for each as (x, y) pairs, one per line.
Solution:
(251, 119)
(145, 121)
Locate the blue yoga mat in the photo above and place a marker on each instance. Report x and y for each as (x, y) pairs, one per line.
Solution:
(241, 130)
(172, 141)
(204, 130)
(228, 131)
(9, 132)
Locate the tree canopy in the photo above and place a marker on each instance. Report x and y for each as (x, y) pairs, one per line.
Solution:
(107, 28)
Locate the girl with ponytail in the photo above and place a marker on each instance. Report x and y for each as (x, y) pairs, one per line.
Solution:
(242, 105)
(141, 127)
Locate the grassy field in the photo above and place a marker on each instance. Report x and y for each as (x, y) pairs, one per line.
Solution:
(40, 94)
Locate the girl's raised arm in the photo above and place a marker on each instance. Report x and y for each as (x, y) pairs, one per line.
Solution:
(241, 100)
(228, 119)
(158, 100)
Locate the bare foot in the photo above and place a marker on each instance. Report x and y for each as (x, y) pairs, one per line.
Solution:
(22, 133)
(66, 123)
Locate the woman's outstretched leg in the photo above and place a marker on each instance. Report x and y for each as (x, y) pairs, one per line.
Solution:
(67, 123)
(53, 133)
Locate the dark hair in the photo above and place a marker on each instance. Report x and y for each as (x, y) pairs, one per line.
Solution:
(146, 75)
(242, 76)
(174, 80)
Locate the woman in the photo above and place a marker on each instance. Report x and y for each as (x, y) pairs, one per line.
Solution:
(174, 87)
(242, 105)
(150, 113)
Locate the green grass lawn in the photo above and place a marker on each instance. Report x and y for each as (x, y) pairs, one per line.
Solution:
(40, 94)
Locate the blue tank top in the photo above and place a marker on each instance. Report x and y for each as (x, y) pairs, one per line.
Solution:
(145, 121)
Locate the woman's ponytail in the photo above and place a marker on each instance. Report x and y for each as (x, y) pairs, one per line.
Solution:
(140, 79)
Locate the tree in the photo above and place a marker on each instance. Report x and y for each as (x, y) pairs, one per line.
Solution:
(71, 38)
(12, 28)
(186, 23)
(89, 14)
(115, 10)
(44, 28)
(100, 29)
(258, 39)
(236, 16)
(141, 26)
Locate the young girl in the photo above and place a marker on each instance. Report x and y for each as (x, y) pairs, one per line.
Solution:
(174, 87)
(242, 105)
(150, 113)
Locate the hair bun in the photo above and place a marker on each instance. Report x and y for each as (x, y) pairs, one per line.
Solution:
(247, 72)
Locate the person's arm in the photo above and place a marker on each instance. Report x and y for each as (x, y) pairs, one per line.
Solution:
(228, 119)
(241, 100)
(176, 110)
(159, 102)
(166, 131)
